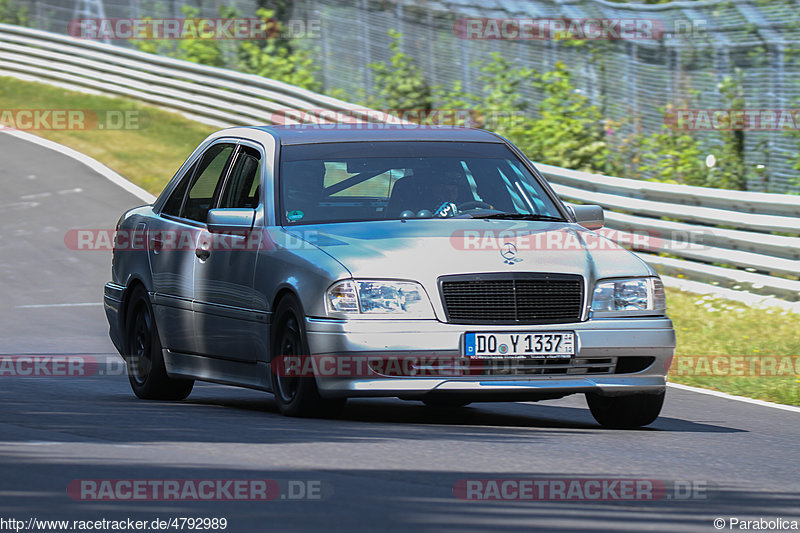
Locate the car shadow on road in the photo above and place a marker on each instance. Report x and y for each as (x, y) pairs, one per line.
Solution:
(523, 415)
(215, 413)
(507, 415)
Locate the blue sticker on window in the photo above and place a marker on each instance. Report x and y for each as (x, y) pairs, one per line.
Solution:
(294, 215)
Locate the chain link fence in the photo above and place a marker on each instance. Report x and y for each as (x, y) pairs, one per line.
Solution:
(631, 80)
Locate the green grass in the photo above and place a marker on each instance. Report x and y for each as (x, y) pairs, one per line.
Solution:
(149, 157)
(707, 326)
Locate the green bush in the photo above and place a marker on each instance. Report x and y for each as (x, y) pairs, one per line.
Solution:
(400, 85)
(570, 130)
(278, 59)
(12, 13)
(564, 130)
(500, 105)
(674, 156)
(272, 57)
(730, 171)
(203, 51)
(678, 157)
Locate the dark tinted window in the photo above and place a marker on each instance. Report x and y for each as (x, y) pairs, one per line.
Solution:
(207, 180)
(242, 190)
(338, 182)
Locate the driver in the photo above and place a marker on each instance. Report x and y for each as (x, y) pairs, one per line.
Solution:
(446, 186)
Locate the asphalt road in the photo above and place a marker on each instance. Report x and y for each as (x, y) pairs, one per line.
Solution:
(383, 465)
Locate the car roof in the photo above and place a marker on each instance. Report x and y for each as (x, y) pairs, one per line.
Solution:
(327, 133)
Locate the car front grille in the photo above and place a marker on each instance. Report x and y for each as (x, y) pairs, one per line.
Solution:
(512, 299)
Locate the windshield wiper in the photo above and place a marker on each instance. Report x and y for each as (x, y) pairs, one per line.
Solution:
(521, 216)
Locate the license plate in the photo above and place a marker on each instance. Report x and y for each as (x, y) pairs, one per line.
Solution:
(519, 345)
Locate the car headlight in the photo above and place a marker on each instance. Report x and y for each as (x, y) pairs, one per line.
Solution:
(403, 299)
(626, 297)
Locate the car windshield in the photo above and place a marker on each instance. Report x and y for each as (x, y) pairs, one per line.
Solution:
(365, 181)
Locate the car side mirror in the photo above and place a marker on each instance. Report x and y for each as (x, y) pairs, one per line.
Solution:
(230, 220)
(588, 216)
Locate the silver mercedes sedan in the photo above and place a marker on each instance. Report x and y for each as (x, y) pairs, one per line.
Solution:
(433, 264)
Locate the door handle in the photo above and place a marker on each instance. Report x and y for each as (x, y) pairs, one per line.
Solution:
(203, 250)
(156, 243)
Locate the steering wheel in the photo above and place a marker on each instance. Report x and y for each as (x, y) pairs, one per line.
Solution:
(473, 204)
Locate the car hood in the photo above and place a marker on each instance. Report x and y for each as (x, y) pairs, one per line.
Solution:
(423, 250)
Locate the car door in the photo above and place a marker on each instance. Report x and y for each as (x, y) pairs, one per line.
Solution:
(226, 322)
(172, 242)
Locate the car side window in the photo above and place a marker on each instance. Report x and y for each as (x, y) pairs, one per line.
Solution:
(242, 187)
(207, 180)
(173, 204)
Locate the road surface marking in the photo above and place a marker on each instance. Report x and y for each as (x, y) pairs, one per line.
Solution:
(86, 160)
(718, 394)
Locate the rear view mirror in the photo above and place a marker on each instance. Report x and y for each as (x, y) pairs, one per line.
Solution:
(588, 216)
(230, 220)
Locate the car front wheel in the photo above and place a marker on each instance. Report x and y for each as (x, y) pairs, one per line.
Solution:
(625, 412)
(146, 370)
(296, 395)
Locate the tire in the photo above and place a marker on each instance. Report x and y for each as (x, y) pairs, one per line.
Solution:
(445, 403)
(625, 412)
(296, 396)
(145, 360)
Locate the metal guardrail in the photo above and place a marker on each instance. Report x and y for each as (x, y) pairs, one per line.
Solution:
(732, 238)
(213, 95)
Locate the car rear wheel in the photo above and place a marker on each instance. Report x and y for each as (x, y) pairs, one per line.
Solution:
(146, 370)
(629, 411)
(296, 395)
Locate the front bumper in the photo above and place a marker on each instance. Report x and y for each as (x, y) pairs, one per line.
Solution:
(600, 338)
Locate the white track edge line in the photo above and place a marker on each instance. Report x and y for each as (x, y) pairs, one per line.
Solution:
(743, 399)
(92, 163)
